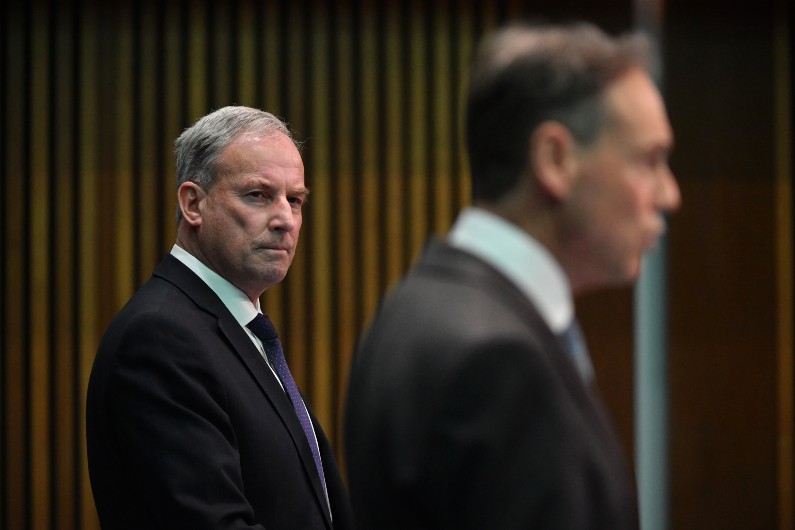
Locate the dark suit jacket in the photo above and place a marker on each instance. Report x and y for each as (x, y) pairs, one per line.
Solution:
(464, 411)
(188, 428)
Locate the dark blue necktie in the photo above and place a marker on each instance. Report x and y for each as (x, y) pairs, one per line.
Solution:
(579, 351)
(262, 327)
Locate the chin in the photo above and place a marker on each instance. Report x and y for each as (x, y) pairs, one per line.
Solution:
(623, 275)
(633, 271)
(272, 277)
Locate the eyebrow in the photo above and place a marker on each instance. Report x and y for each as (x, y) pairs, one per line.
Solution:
(261, 181)
(304, 192)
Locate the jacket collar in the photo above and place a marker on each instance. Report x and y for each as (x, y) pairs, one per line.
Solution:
(174, 271)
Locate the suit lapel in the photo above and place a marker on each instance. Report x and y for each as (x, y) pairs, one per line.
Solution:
(251, 357)
(174, 271)
(473, 271)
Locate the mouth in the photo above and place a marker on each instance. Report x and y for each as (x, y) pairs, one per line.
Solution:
(653, 239)
(275, 248)
(655, 235)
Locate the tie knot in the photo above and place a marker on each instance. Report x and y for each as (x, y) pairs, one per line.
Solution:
(262, 328)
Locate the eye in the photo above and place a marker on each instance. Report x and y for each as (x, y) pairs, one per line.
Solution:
(296, 202)
(656, 160)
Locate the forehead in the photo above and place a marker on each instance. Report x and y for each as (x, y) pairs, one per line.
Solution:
(256, 153)
(636, 110)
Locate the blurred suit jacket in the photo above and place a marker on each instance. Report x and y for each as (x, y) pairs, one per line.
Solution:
(188, 428)
(465, 411)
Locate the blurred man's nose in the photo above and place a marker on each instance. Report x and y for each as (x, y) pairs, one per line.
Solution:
(670, 197)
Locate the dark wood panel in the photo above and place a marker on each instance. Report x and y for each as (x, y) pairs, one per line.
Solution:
(607, 320)
(724, 353)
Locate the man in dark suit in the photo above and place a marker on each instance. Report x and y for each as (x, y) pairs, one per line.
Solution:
(472, 402)
(193, 419)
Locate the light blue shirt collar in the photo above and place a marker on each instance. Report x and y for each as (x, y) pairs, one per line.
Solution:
(522, 259)
(233, 298)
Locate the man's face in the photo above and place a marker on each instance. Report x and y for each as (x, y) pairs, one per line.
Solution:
(624, 185)
(251, 216)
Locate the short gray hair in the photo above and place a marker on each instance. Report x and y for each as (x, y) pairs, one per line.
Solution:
(199, 146)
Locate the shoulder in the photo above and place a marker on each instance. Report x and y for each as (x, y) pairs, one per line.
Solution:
(159, 324)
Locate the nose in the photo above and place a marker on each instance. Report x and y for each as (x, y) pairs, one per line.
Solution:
(282, 217)
(669, 196)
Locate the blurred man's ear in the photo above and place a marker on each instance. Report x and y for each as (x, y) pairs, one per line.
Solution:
(552, 158)
(189, 197)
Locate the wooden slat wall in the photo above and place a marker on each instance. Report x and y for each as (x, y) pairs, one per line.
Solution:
(92, 99)
(93, 96)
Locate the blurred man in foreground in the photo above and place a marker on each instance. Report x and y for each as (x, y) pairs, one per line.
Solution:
(472, 401)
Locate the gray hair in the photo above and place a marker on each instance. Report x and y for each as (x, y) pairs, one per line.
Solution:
(199, 146)
(523, 76)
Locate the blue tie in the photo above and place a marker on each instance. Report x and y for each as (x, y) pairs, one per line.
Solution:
(579, 351)
(262, 327)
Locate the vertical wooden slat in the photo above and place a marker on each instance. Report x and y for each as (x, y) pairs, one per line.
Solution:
(247, 51)
(221, 58)
(4, 73)
(66, 466)
(296, 322)
(394, 123)
(197, 87)
(120, 177)
(39, 199)
(15, 489)
(270, 79)
(323, 210)
(417, 206)
(272, 53)
(443, 111)
(172, 120)
(486, 15)
(346, 293)
(145, 163)
(89, 327)
(4, 19)
(785, 216)
(464, 49)
(368, 185)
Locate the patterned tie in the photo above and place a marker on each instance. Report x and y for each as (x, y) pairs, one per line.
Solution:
(579, 351)
(264, 330)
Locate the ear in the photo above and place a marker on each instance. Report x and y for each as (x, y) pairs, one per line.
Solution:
(552, 149)
(189, 196)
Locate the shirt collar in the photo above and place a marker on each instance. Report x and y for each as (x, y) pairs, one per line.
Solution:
(522, 259)
(233, 298)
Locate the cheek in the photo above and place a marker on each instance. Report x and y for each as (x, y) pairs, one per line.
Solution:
(625, 197)
(298, 221)
(609, 215)
(628, 205)
(603, 204)
(639, 200)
